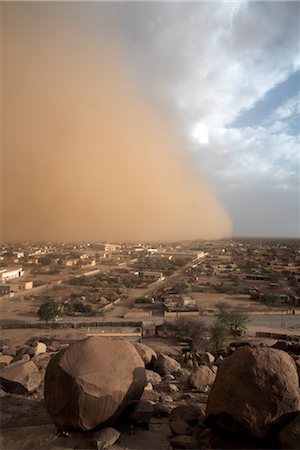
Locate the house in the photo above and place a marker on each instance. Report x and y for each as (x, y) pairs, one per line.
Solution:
(4, 289)
(152, 276)
(9, 273)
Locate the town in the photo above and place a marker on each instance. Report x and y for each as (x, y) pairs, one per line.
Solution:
(84, 285)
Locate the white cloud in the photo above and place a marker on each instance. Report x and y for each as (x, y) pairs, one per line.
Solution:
(213, 63)
(289, 108)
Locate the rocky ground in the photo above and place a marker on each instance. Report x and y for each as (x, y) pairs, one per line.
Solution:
(245, 396)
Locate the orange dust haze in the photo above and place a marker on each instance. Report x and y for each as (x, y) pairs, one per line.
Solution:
(85, 156)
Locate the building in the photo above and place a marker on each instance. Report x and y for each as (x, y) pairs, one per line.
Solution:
(4, 289)
(152, 276)
(131, 331)
(9, 273)
(180, 255)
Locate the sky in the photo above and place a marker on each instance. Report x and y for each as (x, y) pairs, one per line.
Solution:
(220, 78)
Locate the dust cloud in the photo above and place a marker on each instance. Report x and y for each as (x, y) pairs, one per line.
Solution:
(85, 156)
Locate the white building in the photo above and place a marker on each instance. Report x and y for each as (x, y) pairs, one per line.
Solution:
(9, 273)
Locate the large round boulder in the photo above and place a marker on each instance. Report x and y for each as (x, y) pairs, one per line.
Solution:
(254, 387)
(89, 383)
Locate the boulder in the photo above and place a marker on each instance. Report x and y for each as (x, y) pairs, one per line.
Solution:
(39, 348)
(5, 359)
(184, 441)
(161, 409)
(151, 396)
(105, 438)
(165, 365)
(147, 354)
(180, 427)
(21, 358)
(214, 369)
(289, 436)
(153, 377)
(9, 350)
(148, 387)
(142, 412)
(202, 378)
(164, 398)
(42, 360)
(89, 383)
(206, 359)
(20, 377)
(165, 386)
(188, 413)
(254, 387)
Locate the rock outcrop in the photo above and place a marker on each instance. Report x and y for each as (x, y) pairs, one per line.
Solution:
(254, 387)
(89, 383)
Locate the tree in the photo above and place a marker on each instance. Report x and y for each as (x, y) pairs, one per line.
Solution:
(48, 311)
(80, 307)
(191, 328)
(270, 300)
(218, 333)
(234, 321)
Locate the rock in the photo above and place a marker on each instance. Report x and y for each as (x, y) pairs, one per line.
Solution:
(165, 365)
(56, 346)
(188, 413)
(6, 359)
(148, 387)
(24, 349)
(8, 350)
(165, 386)
(142, 413)
(161, 409)
(23, 358)
(289, 436)
(184, 373)
(39, 348)
(90, 383)
(180, 427)
(20, 377)
(207, 359)
(169, 377)
(105, 438)
(201, 378)
(184, 441)
(189, 364)
(151, 396)
(214, 369)
(254, 387)
(153, 377)
(42, 360)
(147, 354)
(218, 360)
(166, 398)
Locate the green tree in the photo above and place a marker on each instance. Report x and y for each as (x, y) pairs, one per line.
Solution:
(270, 300)
(48, 311)
(234, 321)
